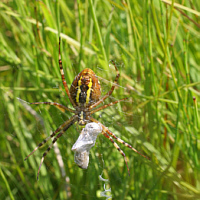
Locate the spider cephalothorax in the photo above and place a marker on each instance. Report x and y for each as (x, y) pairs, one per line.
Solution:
(85, 96)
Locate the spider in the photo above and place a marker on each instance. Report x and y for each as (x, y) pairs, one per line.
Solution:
(85, 96)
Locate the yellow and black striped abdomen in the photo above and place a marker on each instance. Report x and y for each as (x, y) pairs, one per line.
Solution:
(85, 89)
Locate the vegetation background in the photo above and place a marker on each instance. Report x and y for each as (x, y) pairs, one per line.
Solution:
(156, 47)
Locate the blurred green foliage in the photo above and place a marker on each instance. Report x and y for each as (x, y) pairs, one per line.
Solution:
(155, 45)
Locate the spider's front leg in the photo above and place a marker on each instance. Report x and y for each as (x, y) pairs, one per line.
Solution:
(63, 77)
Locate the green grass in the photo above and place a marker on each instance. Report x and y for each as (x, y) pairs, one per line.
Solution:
(155, 45)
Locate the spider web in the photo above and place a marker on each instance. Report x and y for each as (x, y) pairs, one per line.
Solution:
(110, 121)
(113, 118)
(41, 127)
(109, 118)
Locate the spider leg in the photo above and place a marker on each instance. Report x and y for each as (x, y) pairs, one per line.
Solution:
(117, 147)
(109, 92)
(63, 77)
(105, 106)
(50, 146)
(61, 127)
(59, 106)
(105, 129)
